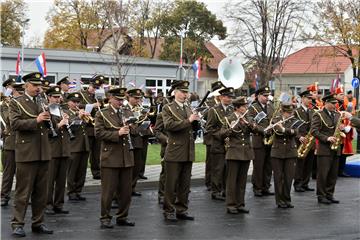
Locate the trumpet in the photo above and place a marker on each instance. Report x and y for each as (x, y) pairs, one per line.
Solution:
(87, 118)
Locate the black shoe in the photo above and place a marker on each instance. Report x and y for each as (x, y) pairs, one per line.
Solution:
(308, 189)
(19, 232)
(49, 211)
(289, 205)
(4, 202)
(96, 177)
(42, 229)
(218, 196)
(184, 216)
(258, 194)
(343, 175)
(324, 201)
(267, 193)
(282, 205)
(73, 198)
(124, 222)
(232, 211)
(60, 211)
(243, 210)
(106, 224)
(80, 198)
(142, 177)
(333, 200)
(136, 194)
(299, 189)
(170, 217)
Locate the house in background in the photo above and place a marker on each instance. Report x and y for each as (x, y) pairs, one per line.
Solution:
(320, 64)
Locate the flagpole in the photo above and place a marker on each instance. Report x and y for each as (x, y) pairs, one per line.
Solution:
(22, 45)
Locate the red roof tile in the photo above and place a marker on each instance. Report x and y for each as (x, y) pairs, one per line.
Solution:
(318, 59)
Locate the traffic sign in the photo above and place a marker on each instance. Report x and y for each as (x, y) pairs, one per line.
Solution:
(355, 82)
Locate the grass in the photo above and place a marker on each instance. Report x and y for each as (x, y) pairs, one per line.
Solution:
(153, 154)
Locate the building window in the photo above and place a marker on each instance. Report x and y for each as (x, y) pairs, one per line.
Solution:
(50, 78)
(158, 85)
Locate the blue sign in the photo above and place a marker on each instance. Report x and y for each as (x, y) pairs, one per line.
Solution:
(355, 82)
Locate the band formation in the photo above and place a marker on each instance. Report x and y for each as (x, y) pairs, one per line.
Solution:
(49, 135)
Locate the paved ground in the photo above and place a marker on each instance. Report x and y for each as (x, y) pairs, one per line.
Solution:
(307, 220)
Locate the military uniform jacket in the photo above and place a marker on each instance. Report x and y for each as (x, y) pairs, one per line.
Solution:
(8, 134)
(214, 123)
(181, 145)
(239, 146)
(115, 149)
(355, 122)
(32, 138)
(60, 145)
(305, 116)
(254, 109)
(160, 133)
(284, 144)
(81, 141)
(322, 127)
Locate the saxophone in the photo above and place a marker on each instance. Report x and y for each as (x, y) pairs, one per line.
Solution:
(338, 134)
(305, 148)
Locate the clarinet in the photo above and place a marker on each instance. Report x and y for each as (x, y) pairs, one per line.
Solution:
(51, 126)
(68, 128)
(131, 147)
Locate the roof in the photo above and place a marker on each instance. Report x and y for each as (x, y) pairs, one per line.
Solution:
(217, 55)
(317, 59)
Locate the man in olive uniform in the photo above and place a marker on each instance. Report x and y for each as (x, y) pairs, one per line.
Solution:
(323, 127)
(117, 160)
(79, 150)
(304, 164)
(8, 137)
(207, 137)
(60, 151)
(261, 111)
(64, 86)
(32, 156)
(179, 153)
(238, 156)
(284, 154)
(88, 97)
(215, 121)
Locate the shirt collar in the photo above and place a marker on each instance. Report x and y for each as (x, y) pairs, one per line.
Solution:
(304, 107)
(31, 98)
(179, 103)
(115, 110)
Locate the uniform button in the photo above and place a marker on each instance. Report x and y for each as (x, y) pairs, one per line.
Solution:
(84, 134)
(284, 139)
(243, 144)
(40, 127)
(22, 141)
(124, 144)
(62, 136)
(42, 134)
(284, 143)
(243, 139)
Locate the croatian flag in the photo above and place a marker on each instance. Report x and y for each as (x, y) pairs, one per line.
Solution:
(197, 67)
(17, 70)
(41, 64)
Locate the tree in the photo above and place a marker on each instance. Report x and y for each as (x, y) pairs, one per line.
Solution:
(264, 31)
(12, 20)
(199, 25)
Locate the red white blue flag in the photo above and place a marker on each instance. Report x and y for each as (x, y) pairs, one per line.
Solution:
(18, 69)
(41, 64)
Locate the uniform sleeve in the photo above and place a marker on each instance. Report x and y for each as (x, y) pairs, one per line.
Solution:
(315, 128)
(256, 127)
(103, 133)
(19, 124)
(159, 130)
(171, 123)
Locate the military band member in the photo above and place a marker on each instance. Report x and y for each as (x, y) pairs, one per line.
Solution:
(284, 154)
(214, 123)
(239, 153)
(79, 151)
(323, 126)
(304, 165)
(64, 84)
(207, 137)
(8, 149)
(117, 160)
(179, 153)
(60, 151)
(262, 172)
(88, 97)
(32, 156)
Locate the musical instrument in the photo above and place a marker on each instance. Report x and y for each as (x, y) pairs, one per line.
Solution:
(233, 124)
(41, 100)
(68, 128)
(231, 72)
(305, 148)
(87, 118)
(338, 134)
(126, 123)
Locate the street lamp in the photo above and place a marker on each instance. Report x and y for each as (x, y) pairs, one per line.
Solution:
(22, 45)
(182, 35)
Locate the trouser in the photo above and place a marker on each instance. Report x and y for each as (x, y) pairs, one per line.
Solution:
(218, 173)
(118, 181)
(236, 183)
(57, 181)
(177, 186)
(31, 181)
(208, 167)
(262, 172)
(284, 170)
(144, 156)
(162, 179)
(94, 155)
(303, 170)
(327, 169)
(76, 173)
(9, 167)
(138, 154)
